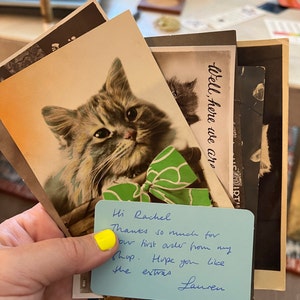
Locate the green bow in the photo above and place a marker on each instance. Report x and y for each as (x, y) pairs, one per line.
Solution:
(168, 178)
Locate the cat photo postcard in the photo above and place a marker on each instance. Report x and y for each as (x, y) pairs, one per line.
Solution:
(95, 113)
(88, 15)
(198, 44)
(201, 79)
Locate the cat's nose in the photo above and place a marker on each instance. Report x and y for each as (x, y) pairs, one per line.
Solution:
(130, 134)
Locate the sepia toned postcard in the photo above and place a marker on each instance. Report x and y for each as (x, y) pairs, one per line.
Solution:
(201, 79)
(215, 38)
(96, 113)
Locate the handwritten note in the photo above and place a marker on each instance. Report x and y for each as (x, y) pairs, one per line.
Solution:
(176, 252)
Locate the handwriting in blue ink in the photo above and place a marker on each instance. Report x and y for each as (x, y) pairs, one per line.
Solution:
(162, 259)
(125, 242)
(117, 228)
(216, 262)
(159, 232)
(187, 262)
(209, 234)
(143, 216)
(119, 255)
(148, 244)
(191, 284)
(120, 269)
(178, 233)
(118, 213)
(173, 245)
(227, 249)
(157, 272)
(199, 247)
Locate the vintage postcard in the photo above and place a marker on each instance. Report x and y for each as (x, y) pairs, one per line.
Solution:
(251, 85)
(201, 79)
(270, 248)
(215, 38)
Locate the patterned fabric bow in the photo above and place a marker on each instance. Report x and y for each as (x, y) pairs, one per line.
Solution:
(168, 178)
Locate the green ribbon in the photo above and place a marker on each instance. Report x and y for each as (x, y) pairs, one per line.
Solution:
(168, 178)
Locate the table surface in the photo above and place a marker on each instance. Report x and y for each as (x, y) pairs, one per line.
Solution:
(201, 10)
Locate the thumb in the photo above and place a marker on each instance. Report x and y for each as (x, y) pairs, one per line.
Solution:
(48, 261)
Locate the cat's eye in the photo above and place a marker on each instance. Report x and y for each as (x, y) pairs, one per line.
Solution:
(174, 93)
(131, 114)
(102, 133)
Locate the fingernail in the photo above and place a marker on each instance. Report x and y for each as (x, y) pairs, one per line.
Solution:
(105, 239)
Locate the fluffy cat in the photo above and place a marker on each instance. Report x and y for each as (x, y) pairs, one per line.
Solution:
(186, 98)
(115, 135)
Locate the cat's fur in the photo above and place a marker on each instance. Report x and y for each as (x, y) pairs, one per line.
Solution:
(186, 98)
(114, 135)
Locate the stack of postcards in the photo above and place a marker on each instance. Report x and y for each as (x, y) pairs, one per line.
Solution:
(91, 112)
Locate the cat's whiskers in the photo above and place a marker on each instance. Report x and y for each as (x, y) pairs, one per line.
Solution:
(105, 165)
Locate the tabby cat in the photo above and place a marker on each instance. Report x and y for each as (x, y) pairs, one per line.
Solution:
(112, 137)
(186, 98)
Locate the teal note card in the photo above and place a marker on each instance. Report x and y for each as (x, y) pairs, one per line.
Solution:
(176, 252)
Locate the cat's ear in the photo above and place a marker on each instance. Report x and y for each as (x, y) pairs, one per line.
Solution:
(116, 81)
(191, 84)
(60, 120)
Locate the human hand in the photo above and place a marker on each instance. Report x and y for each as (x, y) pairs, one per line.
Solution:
(37, 261)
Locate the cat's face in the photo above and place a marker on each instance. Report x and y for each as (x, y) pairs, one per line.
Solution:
(186, 98)
(114, 134)
(183, 91)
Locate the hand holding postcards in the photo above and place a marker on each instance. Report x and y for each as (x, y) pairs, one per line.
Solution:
(84, 137)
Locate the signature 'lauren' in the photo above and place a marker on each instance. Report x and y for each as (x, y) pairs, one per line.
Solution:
(191, 284)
